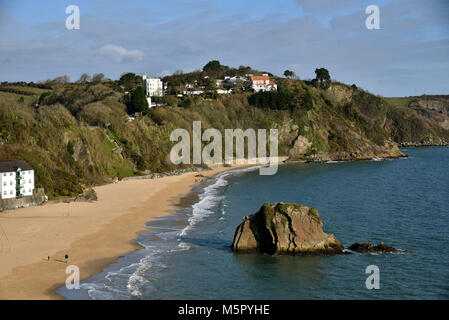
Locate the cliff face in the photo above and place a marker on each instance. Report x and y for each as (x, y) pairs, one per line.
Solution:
(419, 121)
(435, 108)
(344, 124)
(284, 228)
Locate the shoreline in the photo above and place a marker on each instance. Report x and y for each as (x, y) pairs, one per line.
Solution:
(95, 235)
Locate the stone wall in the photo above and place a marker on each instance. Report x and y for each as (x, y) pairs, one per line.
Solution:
(36, 199)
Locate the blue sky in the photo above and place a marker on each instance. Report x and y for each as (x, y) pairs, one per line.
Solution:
(409, 55)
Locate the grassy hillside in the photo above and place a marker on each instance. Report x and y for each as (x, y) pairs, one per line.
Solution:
(80, 134)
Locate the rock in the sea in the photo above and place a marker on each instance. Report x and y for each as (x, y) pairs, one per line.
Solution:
(285, 228)
(367, 247)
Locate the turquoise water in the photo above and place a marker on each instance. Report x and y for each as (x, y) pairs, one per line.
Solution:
(403, 202)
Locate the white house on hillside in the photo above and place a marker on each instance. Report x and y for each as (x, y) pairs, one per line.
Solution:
(16, 179)
(235, 80)
(262, 83)
(154, 87)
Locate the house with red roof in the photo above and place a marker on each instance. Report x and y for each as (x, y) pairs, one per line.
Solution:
(262, 83)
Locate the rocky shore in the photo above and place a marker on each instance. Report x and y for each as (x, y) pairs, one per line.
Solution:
(367, 247)
(439, 143)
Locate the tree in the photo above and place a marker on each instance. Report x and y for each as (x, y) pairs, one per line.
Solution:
(130, 81)
(213, 65)
(209, 84)
(98, 77)
(61, 79)
(323, 79)
(138, 101)
(244, 70)
(210, 87)
(289, 74)
(84, 78)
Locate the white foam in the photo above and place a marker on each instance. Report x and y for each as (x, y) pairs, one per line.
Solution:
(211, 198)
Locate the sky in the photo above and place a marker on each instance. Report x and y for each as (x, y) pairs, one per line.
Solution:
(408, 55)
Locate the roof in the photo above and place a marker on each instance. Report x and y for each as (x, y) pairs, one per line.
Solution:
(260, 78)
(13, 165)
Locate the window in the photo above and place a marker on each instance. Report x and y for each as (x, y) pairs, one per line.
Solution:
(10, 183)
(29, 190)
(4, 174)
(10, 192)
(10, 173)
(4, 193)
(29, 180)
(4, 183)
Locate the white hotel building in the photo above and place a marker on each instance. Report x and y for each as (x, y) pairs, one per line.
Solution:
(16, 179)
(153, 87)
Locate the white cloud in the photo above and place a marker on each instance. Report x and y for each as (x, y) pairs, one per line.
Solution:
(119, 54)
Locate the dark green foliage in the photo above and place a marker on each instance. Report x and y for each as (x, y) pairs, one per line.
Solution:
(307, 99)
(43, 96)
(289, 74)
(322, 79)
(213, 66)
(130, 81)
(70, 148)
(137, 101)
(275, 100)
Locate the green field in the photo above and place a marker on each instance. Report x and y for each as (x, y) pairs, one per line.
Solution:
(402, 102)
(16, 97)
(36, 91)
(33, 95)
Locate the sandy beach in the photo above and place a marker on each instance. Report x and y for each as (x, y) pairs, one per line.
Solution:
(94, 235)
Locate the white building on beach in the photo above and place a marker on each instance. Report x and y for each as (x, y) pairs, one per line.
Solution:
(16, 179)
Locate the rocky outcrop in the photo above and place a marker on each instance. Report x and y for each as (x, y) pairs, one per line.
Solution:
(367, 247)
(87, 196)
(285, 228)
(300, 147)
(435, 108)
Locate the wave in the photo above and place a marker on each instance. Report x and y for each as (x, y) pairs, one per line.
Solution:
(211, 198)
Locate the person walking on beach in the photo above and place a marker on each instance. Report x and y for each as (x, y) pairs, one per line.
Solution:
(66, 258)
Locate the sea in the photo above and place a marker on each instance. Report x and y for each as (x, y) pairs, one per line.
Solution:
(403, 202)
